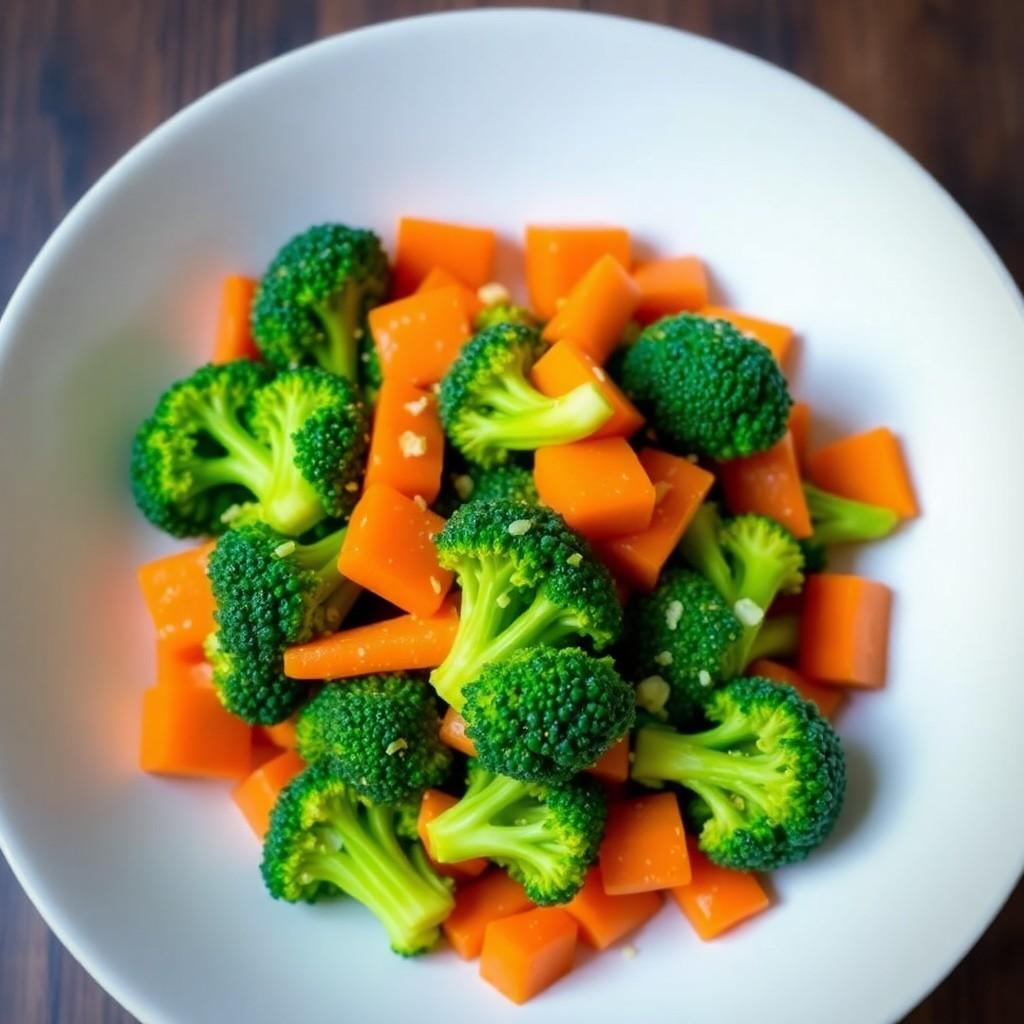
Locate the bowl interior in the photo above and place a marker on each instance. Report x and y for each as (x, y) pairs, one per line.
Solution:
(804, 214)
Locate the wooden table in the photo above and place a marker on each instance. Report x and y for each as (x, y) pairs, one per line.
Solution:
(81, 81)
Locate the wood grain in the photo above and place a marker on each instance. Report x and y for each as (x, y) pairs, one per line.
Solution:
(82, 80)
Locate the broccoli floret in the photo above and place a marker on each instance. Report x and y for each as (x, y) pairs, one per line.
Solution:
(311, 305)
(229, 435)
(769, 775)
(489, 407)
(778, 637)
(546, 836)
(706, 388)
(545, 714)
(324, 840)
(684, 633)
(504, 313)
(270, 593)
(371, 376)
(838, 520)
(526, 579)
(509, 482)
(381, 733)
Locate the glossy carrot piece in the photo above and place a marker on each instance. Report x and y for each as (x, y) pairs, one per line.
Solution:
(827, 698)
(776, 337)
(233, 339)
(605, 919)
(613, 764)
(441, 278)
(644, 846)
(256, 794)
(281, 735)
(670, 286)
(433, 803)
(800, 431)
(524, 954)
(177, 667)
(464, 250)
(179, 599)
(488, 899)
(453, 733)
(844, 630)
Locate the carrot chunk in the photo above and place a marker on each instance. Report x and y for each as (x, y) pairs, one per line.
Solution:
(605, 919)
(234, 338)
(281, 735)
(453, 733)
(644, 846)
(256, 794)
(177, 667)
(613, 764)
(180, 602)
(776, 337)
(465, 251)
(524, 954)
(436, 802)
(800, 431)
(491, 898)
(670, 286)
(441, 278)
(827, 698)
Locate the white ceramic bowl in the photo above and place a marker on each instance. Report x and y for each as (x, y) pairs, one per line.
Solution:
(804, 213)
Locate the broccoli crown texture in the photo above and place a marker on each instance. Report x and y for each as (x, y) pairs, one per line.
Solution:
(312, 302)
(324, 840)
(503, 313)
(381, 733)
(545, 835)
(706, 388)
(545, 714)
(839, 520)
(526, 579)
(508, 482)
(768, 776)
(489, 407)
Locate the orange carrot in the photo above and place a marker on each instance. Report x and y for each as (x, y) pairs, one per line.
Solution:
(800, 429)
(524, 954)
(407, 443)
(557, 257)
(605, 919)
(476, 905)
(257, 793)
(866, 467)
(644, 846)
(234, 339)
(436, 802)
(596, 311)
(178, 596)
(464, 251)
(564, 367)
(281, 735)
(717, 898)
(453, 733)
(768, 484)
(670, 286)
(599, 487)
(827, 698)
(186, 731)
(844, 630)
(679, 487)
(389, 550)
(176, 667)
(776, 337)
(417, 338)
(394, 645)
(613, 764)
(441, 278)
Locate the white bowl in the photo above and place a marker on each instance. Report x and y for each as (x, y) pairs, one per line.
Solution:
(804, 213)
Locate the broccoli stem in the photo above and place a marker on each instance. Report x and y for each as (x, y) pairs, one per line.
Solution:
(340, 320)
(701, 548)
(246, 460)
(839, 520)
(777, 638)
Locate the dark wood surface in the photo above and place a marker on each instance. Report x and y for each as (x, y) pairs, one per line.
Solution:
(81, 81)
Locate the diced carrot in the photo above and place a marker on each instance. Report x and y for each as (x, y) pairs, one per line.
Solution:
(262, 751)
(778, 338)
(394, 645)
(186, 731)
(453, 733)
(441, 278)
(234, 338)
(407, 443)
(418, 337)
(613, 764)
(718, 898)
(827, 698)
(597, 310)
(389, 550)
(605, 919)
(177, 667)
(866, 467)
(526, 953)
(679, 487)
(281, 735)
(564, 367)
(435, 802)
(557, 257)
(844, 630)
(644, 846)
(180, 602)
(466, 252)
(768, 484)
(800, 430)
(670, 286)
(476, 905)
(257, 793)
(623, 591)
(599, 487)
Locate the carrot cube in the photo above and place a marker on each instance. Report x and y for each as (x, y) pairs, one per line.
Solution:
(613, 764)
(778, 338)
(441, 278)
(257, 793)
(605, 919)
(453, 733)
(827, 698)
(465, 252)
(670, 286)
(180, 602)
(524, 954)
(436, 802)
(234, 338)
(800, 431)
(644, 846)
(491, 898)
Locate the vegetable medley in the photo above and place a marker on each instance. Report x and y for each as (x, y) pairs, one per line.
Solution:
(514, 619)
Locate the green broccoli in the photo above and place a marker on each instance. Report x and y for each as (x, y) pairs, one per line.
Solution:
(270, 593)
(504, 313)
(706, 388)
(545, 835)
(311, 305)
(508, 482)
(489, 407)
(234, 434)
(324, 840)
(838, 520)
(381, 733)
(545, 714)
(526, 579)
(769, 775)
